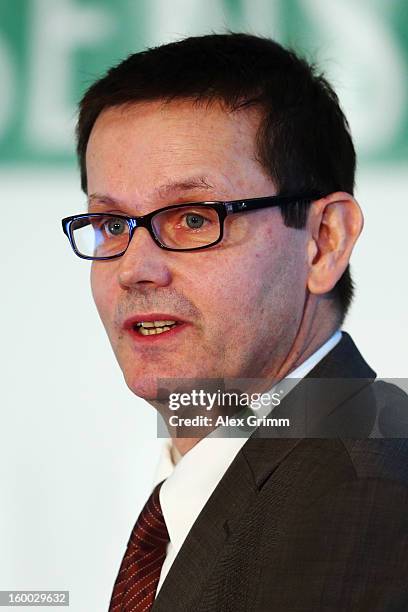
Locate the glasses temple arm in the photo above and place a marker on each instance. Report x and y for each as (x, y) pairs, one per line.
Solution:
(265, 202)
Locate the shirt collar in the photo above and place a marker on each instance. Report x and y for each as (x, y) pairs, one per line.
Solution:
(307, 366)
(190, 483)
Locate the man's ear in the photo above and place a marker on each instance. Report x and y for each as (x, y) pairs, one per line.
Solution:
(334, 224)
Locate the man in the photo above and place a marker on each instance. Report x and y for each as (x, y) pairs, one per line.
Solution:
(219, 172)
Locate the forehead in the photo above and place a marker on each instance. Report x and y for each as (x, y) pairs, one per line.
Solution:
(153, 141)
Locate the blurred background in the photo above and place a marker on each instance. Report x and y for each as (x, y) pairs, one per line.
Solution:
(78, 451)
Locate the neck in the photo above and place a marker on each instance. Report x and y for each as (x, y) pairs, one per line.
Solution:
(306, 342)
(183, 445)
(318, 324)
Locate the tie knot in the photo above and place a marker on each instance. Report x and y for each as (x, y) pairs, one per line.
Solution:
(150, 530)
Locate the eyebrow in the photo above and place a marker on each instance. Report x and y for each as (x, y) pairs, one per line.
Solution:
(169, 189)
(179, 186)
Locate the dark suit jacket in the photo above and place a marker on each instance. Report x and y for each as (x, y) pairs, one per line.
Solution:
(308, 524)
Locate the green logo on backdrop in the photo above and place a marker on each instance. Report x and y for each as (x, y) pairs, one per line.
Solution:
(51, 50)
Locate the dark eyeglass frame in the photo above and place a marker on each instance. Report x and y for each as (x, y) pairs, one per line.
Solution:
(222, 208)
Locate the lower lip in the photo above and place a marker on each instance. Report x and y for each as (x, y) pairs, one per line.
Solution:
(171, 333)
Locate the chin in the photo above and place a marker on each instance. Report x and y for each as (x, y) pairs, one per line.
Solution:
(144, 387)
(158, 387)
(152, 388)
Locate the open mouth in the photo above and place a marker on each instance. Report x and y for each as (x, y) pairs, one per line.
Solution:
(151, 328)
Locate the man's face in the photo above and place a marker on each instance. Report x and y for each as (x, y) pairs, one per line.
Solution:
(238, 304)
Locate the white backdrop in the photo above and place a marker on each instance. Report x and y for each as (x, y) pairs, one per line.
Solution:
(78, 450)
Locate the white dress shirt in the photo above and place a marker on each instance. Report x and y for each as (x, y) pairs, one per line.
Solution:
(190, 479)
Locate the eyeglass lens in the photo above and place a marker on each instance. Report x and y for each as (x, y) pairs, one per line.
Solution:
(187, 227)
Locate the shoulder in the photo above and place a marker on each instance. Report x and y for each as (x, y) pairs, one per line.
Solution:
(384, 453)
(392, 408)
(385, 458)
(325, 484)
(340, 538)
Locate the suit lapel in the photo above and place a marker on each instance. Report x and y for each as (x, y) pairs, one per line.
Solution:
(203, 545)
(237, 490)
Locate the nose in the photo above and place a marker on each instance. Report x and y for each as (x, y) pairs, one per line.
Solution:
(144, 263)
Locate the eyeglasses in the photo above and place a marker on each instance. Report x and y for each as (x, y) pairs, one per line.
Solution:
(181, 227)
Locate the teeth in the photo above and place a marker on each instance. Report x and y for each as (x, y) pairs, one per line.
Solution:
(147, 328)
(154, 331)
(151, 324)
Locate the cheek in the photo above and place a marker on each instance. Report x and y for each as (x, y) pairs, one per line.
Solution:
(102, 289)
(230, 290)
(258, 285)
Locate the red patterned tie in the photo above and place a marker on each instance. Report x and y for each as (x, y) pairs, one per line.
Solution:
(139, 572)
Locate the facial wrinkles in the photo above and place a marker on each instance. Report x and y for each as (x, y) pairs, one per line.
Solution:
(237, 284)
(187, 145)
